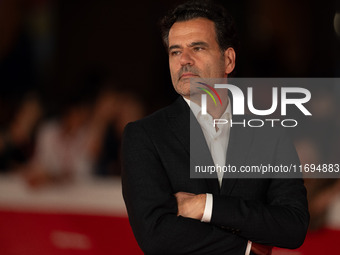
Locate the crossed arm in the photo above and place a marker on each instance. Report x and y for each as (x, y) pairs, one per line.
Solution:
(168, 223)
(152, 207)
(193, 206)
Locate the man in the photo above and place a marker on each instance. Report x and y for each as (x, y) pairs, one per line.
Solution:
(171, 213)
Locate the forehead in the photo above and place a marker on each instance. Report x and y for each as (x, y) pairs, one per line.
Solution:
(199, 29)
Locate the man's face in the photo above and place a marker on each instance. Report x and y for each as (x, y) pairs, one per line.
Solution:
(194, 52)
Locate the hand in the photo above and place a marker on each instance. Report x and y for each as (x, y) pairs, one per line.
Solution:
(190, 205)
(261, 249)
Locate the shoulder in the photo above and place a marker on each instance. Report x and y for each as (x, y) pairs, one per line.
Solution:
(159, 119)
(151, 130)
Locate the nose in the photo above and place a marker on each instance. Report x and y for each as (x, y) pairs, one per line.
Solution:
(186, 58)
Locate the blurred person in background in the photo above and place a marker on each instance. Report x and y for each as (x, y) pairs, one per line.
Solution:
(60, 153)
(24, 55)
(113, 110)
(17, 133)
(84, 140)
(320, 144)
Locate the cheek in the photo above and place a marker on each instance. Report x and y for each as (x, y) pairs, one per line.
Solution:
(173, 70)
(207, 69)
(217, 70)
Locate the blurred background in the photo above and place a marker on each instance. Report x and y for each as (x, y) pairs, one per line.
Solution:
(74, 73)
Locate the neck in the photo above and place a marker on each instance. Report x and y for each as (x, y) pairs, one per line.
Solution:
(217, 111)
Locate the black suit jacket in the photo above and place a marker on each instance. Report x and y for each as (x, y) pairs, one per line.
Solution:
(156, 162)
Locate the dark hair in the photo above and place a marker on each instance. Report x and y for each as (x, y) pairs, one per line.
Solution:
(224, 22)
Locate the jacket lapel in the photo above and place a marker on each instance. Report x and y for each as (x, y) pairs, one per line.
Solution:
(178, 115)
(239, 144)
(188, 131)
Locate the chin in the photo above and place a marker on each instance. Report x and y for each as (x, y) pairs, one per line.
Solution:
(184, 93)
(183, 89)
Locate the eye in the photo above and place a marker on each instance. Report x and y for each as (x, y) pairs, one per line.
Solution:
(198, 48)
(175, 53)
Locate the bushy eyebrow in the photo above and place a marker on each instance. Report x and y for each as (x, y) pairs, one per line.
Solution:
(176, 46)
(193, 44)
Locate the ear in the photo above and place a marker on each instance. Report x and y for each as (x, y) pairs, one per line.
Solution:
(229, 59)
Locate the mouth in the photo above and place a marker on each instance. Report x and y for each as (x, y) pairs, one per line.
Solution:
(188, 75)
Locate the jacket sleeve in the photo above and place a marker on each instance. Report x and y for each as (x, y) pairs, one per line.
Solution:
(282, 220)
(152, 207)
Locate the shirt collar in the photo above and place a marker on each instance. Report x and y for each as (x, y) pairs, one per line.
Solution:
(196, 109)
